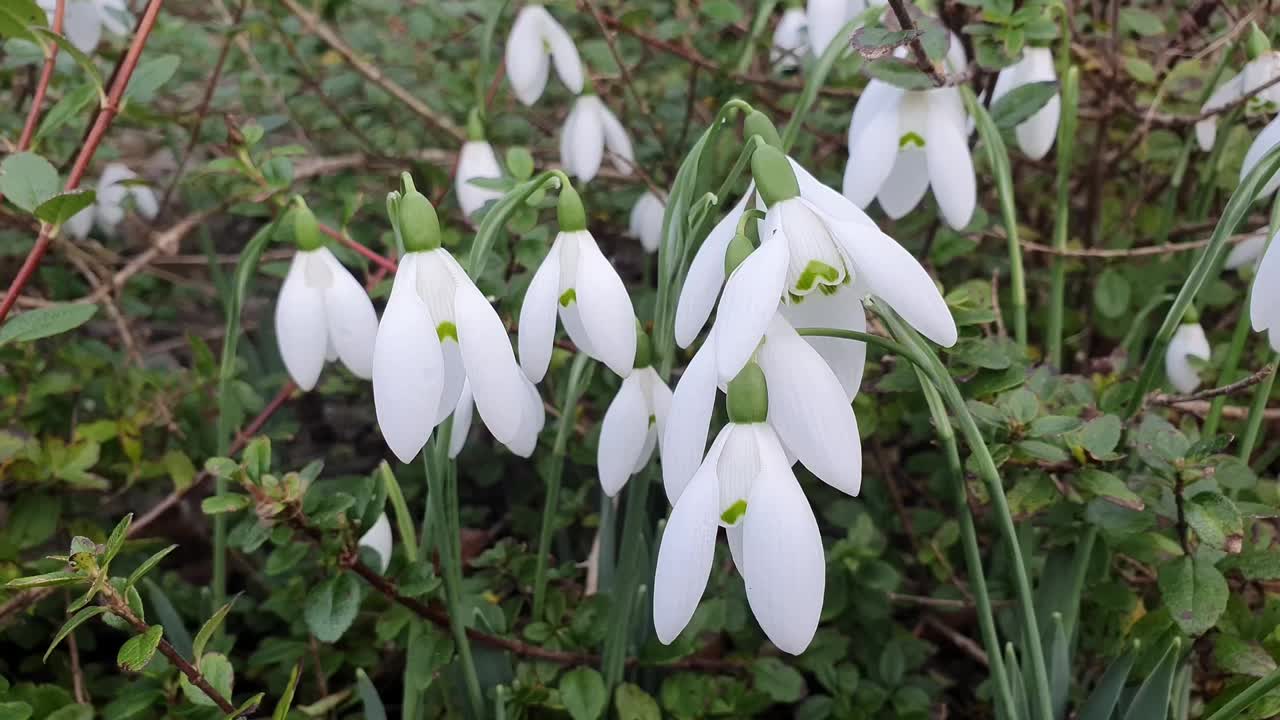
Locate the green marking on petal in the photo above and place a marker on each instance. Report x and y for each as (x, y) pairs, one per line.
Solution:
(446, 330)
(569, 297)
(734, 512)
(910, 138)
(653, 420)
(813, 272)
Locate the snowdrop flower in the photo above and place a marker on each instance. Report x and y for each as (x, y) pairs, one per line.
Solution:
(808, 409)
(646, 220)
(1248, 83)
(578, 284)
(1037, 133)
(902, 142)
(588, 131)
(1188, 342)
(1264, 299)
(476, 161)
(813, 241)
(108, 208)
(790, 40)
(746, 486)
(824, 18)
(378, 539)
(536, 42)
(1248, 252)
(83, 20)
(323, 312)
(633, 424)
(522, 445)
(438, 332)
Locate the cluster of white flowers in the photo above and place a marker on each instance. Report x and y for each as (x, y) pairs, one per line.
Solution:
(118, 186)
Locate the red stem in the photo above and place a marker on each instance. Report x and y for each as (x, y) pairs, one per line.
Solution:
(46, 74)
(375, 258)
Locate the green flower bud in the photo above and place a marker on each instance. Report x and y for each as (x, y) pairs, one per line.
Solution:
(1256, 44)
(306, 232)
(475, 125)
(748, 396)
(644, 348)
(739, 248)
(774, 177)
(569, 211)
(419, 224)
(757, 123)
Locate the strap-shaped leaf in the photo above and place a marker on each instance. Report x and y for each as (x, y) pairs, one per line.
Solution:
(116, 540)
(76, 621)
(1152, 698)
(146, 566)
(209, 628)
(286, 698)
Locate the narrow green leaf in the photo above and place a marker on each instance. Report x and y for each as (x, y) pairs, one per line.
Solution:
(116, 540)
(404, 520)
(75, 621)
(1019, 104)
(286, 698)
(1152, 698)
(138, 650)
(247, 707)
(373, 709)
(1059, 662)
(209, 628)
(147, 565)
(1102, 701)
(52, 579)
(84, 61)
(174, 628)
(225, 503)
(68, 106)
(61, 207)
(150, 75)
(45, 322)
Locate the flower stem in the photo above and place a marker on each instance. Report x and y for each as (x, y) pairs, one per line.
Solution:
(1261, 395)
(630, 571)
(1062, 218)
(579, 378)
(1251, 694)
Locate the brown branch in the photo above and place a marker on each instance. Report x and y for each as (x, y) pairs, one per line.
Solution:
(1210, 393)
(921, 57)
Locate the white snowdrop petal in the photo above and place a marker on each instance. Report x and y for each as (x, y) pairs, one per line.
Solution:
(685, 556)
(455, 376)
(785, 568)
(734, 535)
(605, 308)
(1267, 139)
(408, 367)
(526, 59)
(876, 97)
(532, 418)
(659, 399)
(617, 141)
(824, 18)
(1188, 342)
(871, 156)
(1037, 133)
(144, 199)
(688, 421)
(461, 420)
(1247, 251)
(538, 316)
(645, 222)
(622, 435)
(564, 54)
(790, 40)
(706, 275)
(842, 310)
(496, 379)
(810, 410)
(79, 225)
(582, 139)
(378, 539)
(352, 321)
(1225, 94)
(82, 25)
(476, 161)
(951, 172)
(906, 185)
(1264, 299)
(751, 297)
(301, 331)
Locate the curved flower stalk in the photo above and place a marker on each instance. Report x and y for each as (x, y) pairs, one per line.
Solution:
(1264, 298)
(746, 486)
(83, 20)
(438, 332)
(634, 423)
(1248, 252)
(476, 161)
(1188, 342)
(646, 220)
(824, 18)
(904, 142)
(576, 283)
(323, 312)
(1037, 133)
(108, 208)
(790, 40)
(537, 42)
(378, 539)
(589, 130)
(1251, 82)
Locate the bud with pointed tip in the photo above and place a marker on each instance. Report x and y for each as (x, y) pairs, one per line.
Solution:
(757, 123)
(419, 224)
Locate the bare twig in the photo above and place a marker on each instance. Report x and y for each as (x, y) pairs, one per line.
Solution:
(1210, 393)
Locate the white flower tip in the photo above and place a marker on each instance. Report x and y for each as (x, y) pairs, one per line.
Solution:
(378, 539)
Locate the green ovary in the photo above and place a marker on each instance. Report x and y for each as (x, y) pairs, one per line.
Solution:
(734, 512)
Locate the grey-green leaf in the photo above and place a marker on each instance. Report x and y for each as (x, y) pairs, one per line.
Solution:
(1016, 106)
(1152, 698)
(46, 321)
(1195, 593)
(331, 608)
(27, 180)
(1102, 701)
(583, 693)
(373, 709)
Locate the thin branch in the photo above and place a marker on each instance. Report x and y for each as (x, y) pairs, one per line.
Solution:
(921, 57)
(1210, 393)
(42, 86)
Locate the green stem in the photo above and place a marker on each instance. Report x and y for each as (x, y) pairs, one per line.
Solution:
(1251, 694)
(1078, 573)
(883, 342)
(1257, 411)
(1062, 218)
(758, 25)
(579, 378)
(1004, 518)
(817, 77)
(631, 570)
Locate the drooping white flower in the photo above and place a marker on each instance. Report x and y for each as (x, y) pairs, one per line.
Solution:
(824, 18)
(378, 539)
(632, 427)
(576, 283)
(323, 313)
(790, 40)
(1037, 133)
(530, 426)
(1267, 139)
(1248, 252)
(1264, 298)
(83, 20)
(904, 142)
(646, 220)
(476, 161)
(745, 484)
(1188, 342)
(108, 208)
(588, 131)
(536, 42)
(1256, 74)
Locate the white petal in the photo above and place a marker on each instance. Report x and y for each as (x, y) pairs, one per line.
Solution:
(906, 185)
(605, 308)
(353, 323)
(408, 366)
(751, 297)
(617, 141)
(79, 225)
(1267, 139)
(476, 161)
(706, 275)
(1037, 133)
(82, 25)
(685, 556)
(785, 568)
(496, 380)
(1188, 341)
(895, 276)
(461, 420)
(1225, 94)
(842, 310)
(532, 419)
(810, 410)
(300, 324)
(646, 221)
(659, 398)
(790, 40)
(378, 539)
(622, 435)
(734, 535)
(563, 53)
(824, 18)
(538, 316)
(144, 199)
(1264, 300)
(1248, 251)
(526, 57)
(1008, 79)
(871, 156)
(685, 436)
(950, 168)
(455, 376)
(582, 139)
(877, 96)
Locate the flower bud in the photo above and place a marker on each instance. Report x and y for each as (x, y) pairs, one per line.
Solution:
(569, 211)
(306, 232)
(757, 123)
(774, 177)
(748, 396)
(419, 224)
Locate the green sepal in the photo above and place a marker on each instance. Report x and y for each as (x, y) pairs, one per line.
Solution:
(306, 231)
(475, 125)
(569, 211)
(1256, 43)
(757, 123)
(419, 224)
(748, 396)
(774, 177)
